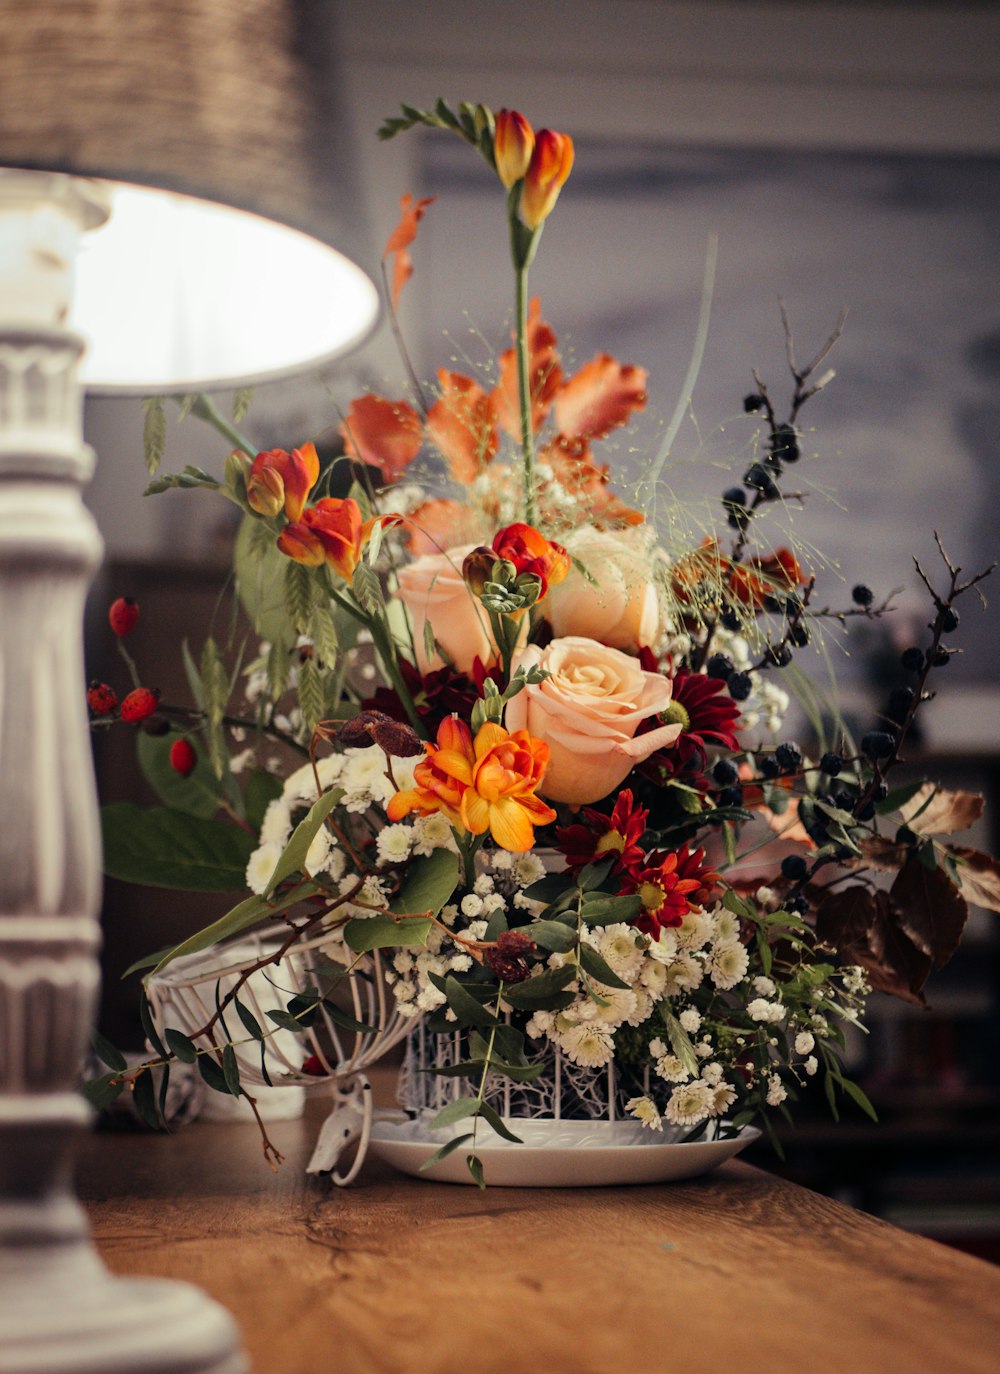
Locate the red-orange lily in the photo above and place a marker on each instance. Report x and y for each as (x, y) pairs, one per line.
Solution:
(282, 481)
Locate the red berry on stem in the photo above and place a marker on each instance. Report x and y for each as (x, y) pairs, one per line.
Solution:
(139, 704)
(123, 615)
(183, 757)
(101, 698)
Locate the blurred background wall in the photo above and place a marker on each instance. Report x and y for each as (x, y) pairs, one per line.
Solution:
(846, 155)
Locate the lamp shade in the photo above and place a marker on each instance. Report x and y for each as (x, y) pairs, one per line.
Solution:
(234, 102)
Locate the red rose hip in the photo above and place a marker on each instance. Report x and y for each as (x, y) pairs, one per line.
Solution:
(139, 704)
(101, 698)
(123, 616)
(183, 757)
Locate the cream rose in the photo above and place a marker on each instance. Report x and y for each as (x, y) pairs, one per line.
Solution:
(587, 711)
(432, 588)
(622, 606)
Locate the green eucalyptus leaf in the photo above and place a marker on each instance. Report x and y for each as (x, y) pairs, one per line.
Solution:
(552, 935)
(161, 847)
(445, 1151)
(466, 1008)
(384, 931)
(458, 1110)
(598, 968)
(542, 991)
(180, 1046)
(598, 910)
(102, 1091)
(293, 856)
(250, 912)
(430, 881)
(106, 1052)
(497, 1122)
(144, 1101)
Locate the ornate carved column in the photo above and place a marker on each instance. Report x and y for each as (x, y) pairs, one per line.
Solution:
(60, 1311)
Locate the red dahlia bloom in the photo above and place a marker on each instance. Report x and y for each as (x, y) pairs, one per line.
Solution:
(617, 834)
(670, 885)
(708, 716)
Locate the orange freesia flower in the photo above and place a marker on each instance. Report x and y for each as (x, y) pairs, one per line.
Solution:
(330, 532)
(463, 425)
(386, 434)
(501, 796)
(551, 163)
(280, 480)
(707, 576)
(513, 144)
(488, 784)
(400, 239)
(441, 778)
(531, 552)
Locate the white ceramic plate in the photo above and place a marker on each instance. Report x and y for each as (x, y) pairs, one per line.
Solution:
(565, 1154)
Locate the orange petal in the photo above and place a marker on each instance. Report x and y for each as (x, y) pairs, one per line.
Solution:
(599, 398)
(510, 826)
(265, 487)
(551, 163)
(441, 524)
(401, 238)
(298, 541)
(488, 737)
(475, 812)
(454, 734)
(544, 375)
(301, 473)
(513, 144)
(463, 425)
(386, 434)
(403, 803)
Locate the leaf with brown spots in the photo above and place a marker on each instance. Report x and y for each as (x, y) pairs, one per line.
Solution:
(978, 876)
(936, 811)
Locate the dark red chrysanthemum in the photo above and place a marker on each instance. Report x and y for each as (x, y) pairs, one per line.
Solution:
(617, 834)
(438, 695)
(671, 884)
(708, 716)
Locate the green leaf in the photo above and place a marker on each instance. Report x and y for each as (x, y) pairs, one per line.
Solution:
(430, 881)
(241, 404)
(312, 694)
(154, 433)
(106, 1052)
(738, 906)
(144, 1100)
(148, 1026)
(550, 888)
(445, 1151)
(458, 1110)
(854, 1092)
(593, 875)
(299, 587)
(260, 577)
(323, 633)
(249, 912)
(384, 931)
(250, 1022)
(197, 794)
(898, 797)
(212, 1074)
(367, 589)
(161, 847)
(101, 1092)
(193, 675)
(231, 1070)
(552, 935)
(475, 1167)
(497, 1122)
(535, 993)
(294, 854)
(464, 1005)
(215, 686)
(262, 789)
(147, 961)
(180, 1046)
(287, 1022)
(520, 1073)
(592, 962)
(346, 1022)
(599, 910)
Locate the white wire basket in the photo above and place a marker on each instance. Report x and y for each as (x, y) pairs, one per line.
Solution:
(186, 994)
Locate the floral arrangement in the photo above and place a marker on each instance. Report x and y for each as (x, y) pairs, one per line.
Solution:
(503, 731)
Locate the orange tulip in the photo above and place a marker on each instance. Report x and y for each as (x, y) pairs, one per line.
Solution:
(513, 144)
(484, 785)
(280, 480)
(551, 163)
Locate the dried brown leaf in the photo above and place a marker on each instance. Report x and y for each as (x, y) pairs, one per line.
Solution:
(880, 853)
(932, 911)
(863, 926)
(936, 811)
(978, 876)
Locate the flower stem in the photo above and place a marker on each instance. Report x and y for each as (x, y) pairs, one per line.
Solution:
(524, 390)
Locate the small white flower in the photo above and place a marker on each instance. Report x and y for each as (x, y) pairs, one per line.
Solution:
(587, 1045)
(432, 832)
(684, 974)
(483, 885)
(503, 860)
(811, 1065)
(238, 762)
(728, 964)
(621, 950)
(653, 977)
(492, 903)
(727, 926)
(764, 987)
(689, 1103)
(277, 823)
(657, 1048)
(762, 1010)
(690, 1019)
(319, 851)
(261, 866)
(619, 1004)
(804, 1043)
(723, 1097)
(695, 929)
(393, 844)
(664, 948)
(670, 1067)
(362, 768)
(704, 1049)
(775, 1091)
(528, 869)
(712, 1073)
(472, 905)
(766, 897)
(644, 1110)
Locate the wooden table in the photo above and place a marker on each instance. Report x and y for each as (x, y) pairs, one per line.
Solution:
(738, 1271)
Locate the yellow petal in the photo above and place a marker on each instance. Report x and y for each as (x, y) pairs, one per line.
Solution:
(510, 826)
(475, 812)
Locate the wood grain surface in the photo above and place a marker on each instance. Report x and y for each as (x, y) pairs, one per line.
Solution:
(739, 1271)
